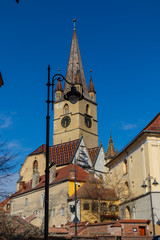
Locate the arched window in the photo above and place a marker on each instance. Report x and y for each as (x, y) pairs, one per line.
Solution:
(126, 190)
(128, 216)
(125, 170)
(66, 108)
(35, 165)
(87, 109)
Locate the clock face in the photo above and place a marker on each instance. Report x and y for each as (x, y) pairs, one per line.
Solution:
(88, 121)
(65, 121)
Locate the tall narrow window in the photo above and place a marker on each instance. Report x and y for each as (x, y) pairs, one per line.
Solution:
(26, 201)
(42, 197)
(125, 170)
(39, 214)
(87, 109)
(66, 109)
(126, 190)
(35, 165)
(62, 211)
(54, 212)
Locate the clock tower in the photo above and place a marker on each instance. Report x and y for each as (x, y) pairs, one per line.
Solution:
(71, 121)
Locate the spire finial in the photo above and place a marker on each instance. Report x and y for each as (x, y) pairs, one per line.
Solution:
(90, 74)
(110, 132)
(74, 24)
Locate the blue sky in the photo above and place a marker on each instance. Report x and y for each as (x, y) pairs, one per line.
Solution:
(119, 41)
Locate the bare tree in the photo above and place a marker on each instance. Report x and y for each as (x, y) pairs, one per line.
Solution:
(7, 166)
(14, 228)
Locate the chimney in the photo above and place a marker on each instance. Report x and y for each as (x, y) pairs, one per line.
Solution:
(35, 178)
(52, 173)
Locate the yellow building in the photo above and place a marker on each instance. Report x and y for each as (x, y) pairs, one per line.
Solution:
(96, 202)
(139, 161)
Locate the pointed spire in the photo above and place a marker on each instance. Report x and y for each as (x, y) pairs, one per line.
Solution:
(75, 58)
(110, 151)
(91, 86)
(1, 80)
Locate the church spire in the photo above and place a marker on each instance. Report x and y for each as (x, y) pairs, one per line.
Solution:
(74, 60)
(111, 150)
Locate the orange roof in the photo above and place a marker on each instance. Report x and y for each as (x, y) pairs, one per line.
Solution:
(154, 125)
(61, 153)
(58, 230)
(93, 153)
(2, 204)
(62, 174)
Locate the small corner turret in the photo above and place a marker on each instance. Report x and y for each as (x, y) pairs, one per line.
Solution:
(111, 153)
(59, 90)
(91, 90)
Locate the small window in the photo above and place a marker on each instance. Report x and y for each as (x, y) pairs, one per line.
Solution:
(104, 207)
(26, 201)
(62, 211)
(86, 206)
(39, 214)
(94, 207)
(113, 208)
(66, 109)
(42, 197)
(54, 212)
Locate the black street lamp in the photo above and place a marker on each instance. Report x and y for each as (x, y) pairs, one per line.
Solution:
(144, 185)
(73, 96)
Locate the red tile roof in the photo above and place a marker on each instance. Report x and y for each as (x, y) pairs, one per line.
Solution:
(57, 230)
(62, 174)
(154, 125)
(60, 153)
(93, 153)
(2, 204)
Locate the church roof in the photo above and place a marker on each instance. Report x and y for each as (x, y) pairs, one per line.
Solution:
(75, 63)
(60, 153)
(93, 153)
(110, 151)
(62, 174)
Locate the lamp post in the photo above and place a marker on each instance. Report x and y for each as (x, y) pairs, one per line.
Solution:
(144, 185)
(73, 96)
(75, 199)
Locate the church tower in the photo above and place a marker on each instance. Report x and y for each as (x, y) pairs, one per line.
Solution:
(71, 121)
